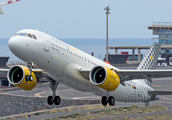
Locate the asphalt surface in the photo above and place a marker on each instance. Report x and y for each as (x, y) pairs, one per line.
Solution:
(63, 91)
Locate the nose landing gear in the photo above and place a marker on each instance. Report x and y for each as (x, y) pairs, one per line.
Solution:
(30, 77)
(108, 99)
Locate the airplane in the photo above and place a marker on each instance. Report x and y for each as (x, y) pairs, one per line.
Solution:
(6, 3)
(60, 62)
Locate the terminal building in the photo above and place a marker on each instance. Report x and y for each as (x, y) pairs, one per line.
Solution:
(164, 32)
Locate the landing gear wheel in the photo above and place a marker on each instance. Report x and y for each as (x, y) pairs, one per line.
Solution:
(30, 77)
(50, 100)
(27, 77)
(57, 100)
(104, 100)
(111, 100)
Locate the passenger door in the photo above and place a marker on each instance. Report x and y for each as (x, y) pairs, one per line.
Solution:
(46, 42)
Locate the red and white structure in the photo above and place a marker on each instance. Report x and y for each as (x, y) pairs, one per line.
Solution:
(5, 3)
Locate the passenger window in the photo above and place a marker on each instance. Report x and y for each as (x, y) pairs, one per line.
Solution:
(34, 37)
(29, 35)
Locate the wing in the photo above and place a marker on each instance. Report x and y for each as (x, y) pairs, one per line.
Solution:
(34, 70)
(143, 74)
(127, 75)
(4, 71)
(38, 72)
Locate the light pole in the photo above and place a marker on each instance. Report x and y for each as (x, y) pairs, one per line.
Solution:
(107, 12)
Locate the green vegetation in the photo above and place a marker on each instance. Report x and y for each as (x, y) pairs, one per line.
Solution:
(104, 113)
(153, 117)
(131, 110)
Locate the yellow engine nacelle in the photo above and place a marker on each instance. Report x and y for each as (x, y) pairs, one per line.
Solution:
(17, 77)
(104, 78)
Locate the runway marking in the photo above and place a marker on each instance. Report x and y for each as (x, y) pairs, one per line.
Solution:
(167, 98)
(17, 95)
(76, 98)
(39, 94)
(74, 93)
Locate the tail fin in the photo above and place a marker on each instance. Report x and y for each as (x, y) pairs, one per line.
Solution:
(150, 60)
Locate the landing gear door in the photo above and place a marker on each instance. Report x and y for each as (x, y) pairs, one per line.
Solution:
(46, 43)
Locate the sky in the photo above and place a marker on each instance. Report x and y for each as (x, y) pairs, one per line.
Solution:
(85, 18)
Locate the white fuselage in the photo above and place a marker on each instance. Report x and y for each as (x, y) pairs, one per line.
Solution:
(63, 62)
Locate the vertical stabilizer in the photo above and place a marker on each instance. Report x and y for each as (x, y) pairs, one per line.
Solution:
(150, 59)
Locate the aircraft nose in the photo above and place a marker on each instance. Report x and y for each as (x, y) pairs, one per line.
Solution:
(13, 44)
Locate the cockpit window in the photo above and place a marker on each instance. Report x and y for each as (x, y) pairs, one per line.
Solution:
(26, 34)
(34, 37)
(29, 35)
(23, 34)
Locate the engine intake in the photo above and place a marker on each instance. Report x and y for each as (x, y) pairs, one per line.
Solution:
(17, 77)
(104, 78)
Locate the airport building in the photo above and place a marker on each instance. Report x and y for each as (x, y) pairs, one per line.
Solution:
(3, 76)
(164, 32)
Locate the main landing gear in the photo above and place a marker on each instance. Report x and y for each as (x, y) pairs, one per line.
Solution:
(53, 99)
(108, 99)
(30, 77)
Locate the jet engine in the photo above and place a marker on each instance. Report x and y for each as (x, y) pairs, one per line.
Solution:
(104, 78)
(17, 76)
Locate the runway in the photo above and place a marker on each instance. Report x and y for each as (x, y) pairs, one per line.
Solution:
(66, 92)
(63, 91)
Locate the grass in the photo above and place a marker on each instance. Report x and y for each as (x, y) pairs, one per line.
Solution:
(153, 117)
(104, 113)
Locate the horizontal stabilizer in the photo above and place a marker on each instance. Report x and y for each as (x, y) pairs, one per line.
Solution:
(160, 92)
